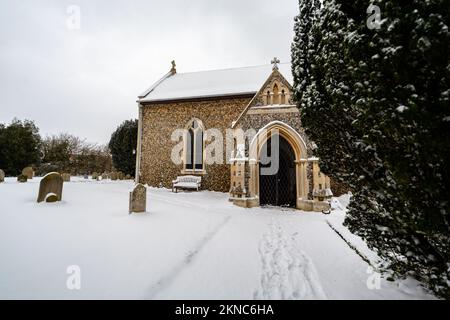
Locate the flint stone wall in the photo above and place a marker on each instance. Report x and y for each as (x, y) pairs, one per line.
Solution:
(161, 120)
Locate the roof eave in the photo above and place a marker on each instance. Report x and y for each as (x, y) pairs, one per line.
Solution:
(153, 87)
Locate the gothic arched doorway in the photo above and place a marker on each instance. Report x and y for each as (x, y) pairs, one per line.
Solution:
(277, 187)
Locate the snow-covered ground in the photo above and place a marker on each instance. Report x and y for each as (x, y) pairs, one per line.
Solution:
(187, 246)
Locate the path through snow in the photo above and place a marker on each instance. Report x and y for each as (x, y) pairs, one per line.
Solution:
(287, 272)
(168, 278)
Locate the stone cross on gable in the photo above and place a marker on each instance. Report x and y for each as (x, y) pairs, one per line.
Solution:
(275, 63)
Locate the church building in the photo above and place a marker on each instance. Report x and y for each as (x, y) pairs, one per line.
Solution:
(223, 125)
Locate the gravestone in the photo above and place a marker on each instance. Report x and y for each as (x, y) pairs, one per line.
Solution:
(50, 188)
(94, 176)
(128, 177)
(66, 177)
(2, 175)
(22, 178)
(113, 176)
(138, 199)
(28, 171)
(104, 176)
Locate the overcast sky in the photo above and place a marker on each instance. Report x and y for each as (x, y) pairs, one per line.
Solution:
(85, 81)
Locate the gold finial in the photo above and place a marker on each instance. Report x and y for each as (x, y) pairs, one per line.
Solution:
(174, 67)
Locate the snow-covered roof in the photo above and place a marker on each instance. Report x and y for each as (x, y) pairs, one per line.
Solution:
(214, 83)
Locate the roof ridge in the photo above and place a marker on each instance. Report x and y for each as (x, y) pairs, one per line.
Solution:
(231, 68)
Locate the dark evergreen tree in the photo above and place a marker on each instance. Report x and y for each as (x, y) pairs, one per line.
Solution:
(378, 109)
(19, 146)
(123, 146)
(303, 46)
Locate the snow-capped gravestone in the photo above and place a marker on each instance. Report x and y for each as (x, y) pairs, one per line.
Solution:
(138, 199)
(28, 171)
(2, 176)
(50, 188)
(66, 177)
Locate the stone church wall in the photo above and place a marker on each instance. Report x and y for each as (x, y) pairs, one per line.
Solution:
(159, 122)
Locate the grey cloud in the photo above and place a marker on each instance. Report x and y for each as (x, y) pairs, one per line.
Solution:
(85, 82)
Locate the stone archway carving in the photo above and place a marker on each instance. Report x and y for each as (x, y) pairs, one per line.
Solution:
(300, 150)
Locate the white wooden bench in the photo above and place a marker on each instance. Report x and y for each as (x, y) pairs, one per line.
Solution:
(186, 182)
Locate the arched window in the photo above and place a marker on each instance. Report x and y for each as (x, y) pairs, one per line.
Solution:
(283, 97)
(268, 98)
(276, 96)
(194, 146)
